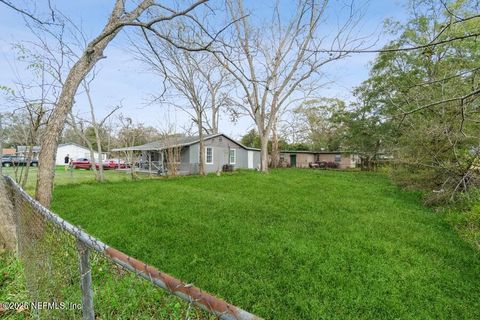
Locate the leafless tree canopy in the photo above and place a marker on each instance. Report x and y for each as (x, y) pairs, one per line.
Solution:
(147, 15)
(194, 82)
(272, 63)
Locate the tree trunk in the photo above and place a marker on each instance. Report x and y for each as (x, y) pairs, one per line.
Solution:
(215, 115)
(264, 152)
(133, 174)
(92, 162)
(46, 159)
(1, 144)
(8, 231)
(275, 153)
(28, 162)
(100, 175)
(201, 146)
(92, 53)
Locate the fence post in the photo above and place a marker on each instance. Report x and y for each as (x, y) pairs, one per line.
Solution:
(8, 226)
(86, 281)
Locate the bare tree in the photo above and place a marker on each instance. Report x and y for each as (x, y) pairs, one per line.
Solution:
(93, 52)
(32, 101)
(275, 155)
(169, 139)
(79, 127)
(272, 62)
(130, 134)
(196, 77)
(97, 126)
(217, 80)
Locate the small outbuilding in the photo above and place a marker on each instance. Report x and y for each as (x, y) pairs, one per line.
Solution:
(304, 159)
(75, 151)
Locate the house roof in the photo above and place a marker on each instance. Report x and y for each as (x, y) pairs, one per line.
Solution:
(178, 142)
(37, 148)
(77, 145)
(72, 144)
(316, 152)
(8, 151)
(25, 148)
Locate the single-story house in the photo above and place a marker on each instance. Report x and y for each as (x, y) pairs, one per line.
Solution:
(219, 151)
(22, 151)
(75, 151)
(302, 159)
(9, 151)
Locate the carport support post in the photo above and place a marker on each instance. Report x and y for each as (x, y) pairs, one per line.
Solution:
(149, 162)
(85, 281)
(162, 163)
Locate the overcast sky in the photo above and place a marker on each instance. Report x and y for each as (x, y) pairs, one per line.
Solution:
(121, 78)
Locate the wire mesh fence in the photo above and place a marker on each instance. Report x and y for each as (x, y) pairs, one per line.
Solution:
(71, 275)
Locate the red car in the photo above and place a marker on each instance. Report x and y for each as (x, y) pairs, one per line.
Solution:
(85, 163)
(81, 163)
(114, 164)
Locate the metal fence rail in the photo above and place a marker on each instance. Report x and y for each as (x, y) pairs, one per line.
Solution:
(77, 276)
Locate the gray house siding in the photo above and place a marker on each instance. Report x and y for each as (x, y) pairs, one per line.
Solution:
(256, 159)
(194, 153)
(185, 160)
(221, 147)
(189, 155)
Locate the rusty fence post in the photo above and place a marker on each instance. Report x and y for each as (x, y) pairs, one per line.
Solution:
(8, 218)
(86, 281)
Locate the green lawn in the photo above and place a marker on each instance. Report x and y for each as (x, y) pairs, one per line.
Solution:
(293, 244)
(63, 177)
(12, 285)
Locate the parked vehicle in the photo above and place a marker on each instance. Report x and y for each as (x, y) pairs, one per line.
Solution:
(81, 163)
(85, 163)
(323, 164)
(114, 164)
(9, 161)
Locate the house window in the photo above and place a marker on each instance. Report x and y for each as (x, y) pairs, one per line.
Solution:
(338, 158)
(208, 155)
(233, 156)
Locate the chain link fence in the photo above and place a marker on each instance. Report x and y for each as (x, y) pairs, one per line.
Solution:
(71, 275)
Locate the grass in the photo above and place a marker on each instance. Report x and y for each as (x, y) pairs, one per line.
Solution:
(53, 262)
(68, 177)
(293, 244)
(467, 223)
(12, 286)
(54, 276)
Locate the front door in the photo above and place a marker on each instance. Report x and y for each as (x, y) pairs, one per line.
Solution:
(293, 160)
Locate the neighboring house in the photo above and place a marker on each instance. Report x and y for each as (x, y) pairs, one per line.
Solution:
(75, 151)
(22, 151)
(219, 150)
(9, 152)
(302, 159)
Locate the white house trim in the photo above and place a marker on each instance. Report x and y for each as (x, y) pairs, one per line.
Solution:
(234, 151)
(206, 155)
(250, 159)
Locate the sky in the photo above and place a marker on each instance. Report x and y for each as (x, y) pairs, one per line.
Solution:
(122, 79)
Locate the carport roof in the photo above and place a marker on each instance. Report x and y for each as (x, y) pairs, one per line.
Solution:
(317, 152)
